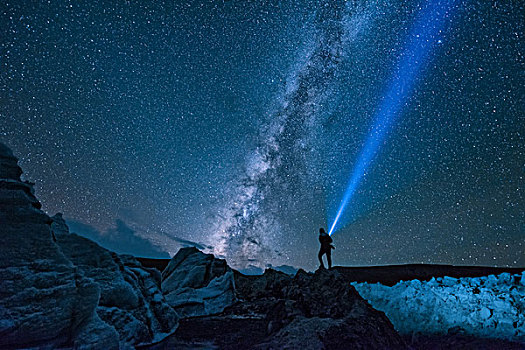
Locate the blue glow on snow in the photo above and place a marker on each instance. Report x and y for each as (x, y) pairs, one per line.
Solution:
(423, 38)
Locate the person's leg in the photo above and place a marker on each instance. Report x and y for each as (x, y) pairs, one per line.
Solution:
(329, 258)
(320, 256)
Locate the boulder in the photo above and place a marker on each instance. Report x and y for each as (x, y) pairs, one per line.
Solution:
(196, 284)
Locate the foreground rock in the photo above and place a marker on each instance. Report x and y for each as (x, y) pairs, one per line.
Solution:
(59, 290)
(44, 299)
(277, 311)
(197, 284)
(130, 296)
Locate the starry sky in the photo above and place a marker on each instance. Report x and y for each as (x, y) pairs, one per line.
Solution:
(234, 126)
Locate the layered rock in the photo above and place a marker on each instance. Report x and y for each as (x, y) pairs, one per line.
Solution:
(197, 284)
(130, 296)
(60, 290)
(44, 299)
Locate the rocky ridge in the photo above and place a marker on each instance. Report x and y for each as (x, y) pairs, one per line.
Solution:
(318, 310)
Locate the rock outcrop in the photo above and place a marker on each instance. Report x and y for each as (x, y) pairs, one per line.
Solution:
(60, 290)
(130, 297)
(314, 311)
(309, 311)
(44, 299)
(196, 284)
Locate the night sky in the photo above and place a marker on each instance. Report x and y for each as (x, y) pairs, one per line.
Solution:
(234, 125)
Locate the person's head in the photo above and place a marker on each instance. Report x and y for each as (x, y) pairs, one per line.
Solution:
(322, 231)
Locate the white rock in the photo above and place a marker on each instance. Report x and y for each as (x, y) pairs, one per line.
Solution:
(130, 298)
(484, 313)
(197, 284)
(449, 281)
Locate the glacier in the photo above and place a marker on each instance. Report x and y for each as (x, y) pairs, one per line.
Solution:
(492, 306)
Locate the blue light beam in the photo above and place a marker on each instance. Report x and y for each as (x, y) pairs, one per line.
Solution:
(422, 39)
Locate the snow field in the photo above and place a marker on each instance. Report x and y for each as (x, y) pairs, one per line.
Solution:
(490, 306)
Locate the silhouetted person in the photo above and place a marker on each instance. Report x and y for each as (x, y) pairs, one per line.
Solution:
(326, 248)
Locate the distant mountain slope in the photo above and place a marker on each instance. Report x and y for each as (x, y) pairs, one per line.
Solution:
(390, 274)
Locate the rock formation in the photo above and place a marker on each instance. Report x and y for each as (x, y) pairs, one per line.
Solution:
(130, 297)
(197, 284)
(277, 311)
(61, 290)
(314, 311)
(486, 307)
(44, 299)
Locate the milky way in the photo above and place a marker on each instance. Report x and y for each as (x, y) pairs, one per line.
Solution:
(248, 231)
